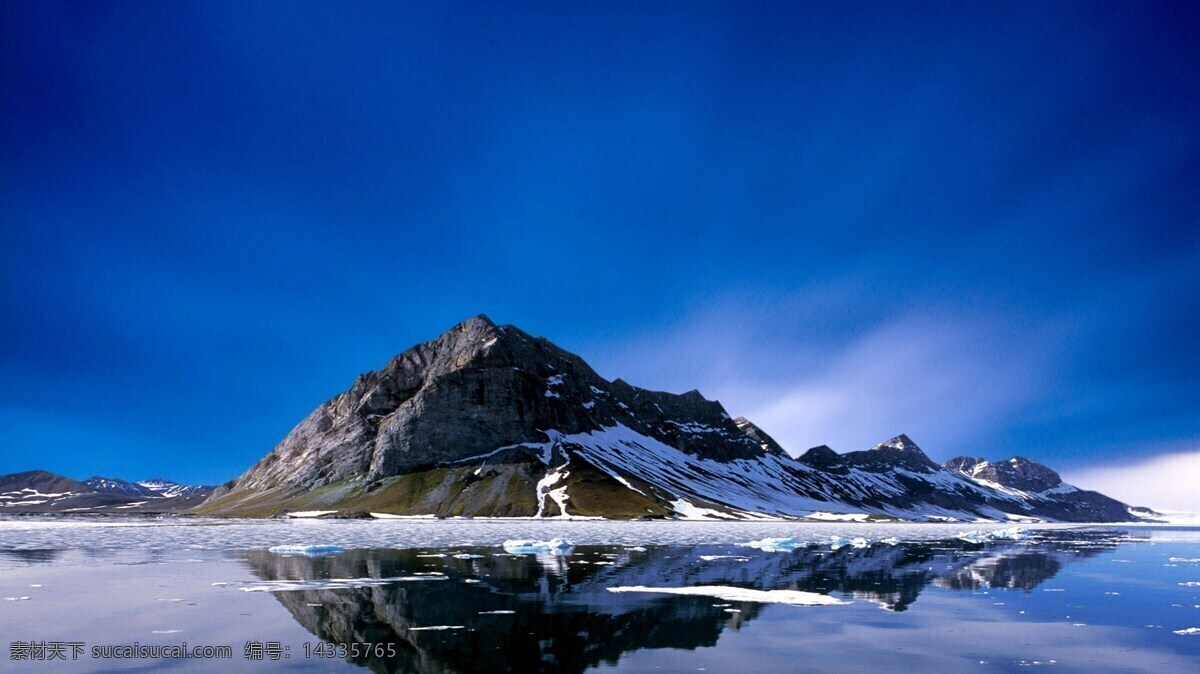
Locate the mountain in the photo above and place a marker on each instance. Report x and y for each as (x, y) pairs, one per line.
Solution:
(1035, 483)
(43, 492)
(156, 488)
(486, 420)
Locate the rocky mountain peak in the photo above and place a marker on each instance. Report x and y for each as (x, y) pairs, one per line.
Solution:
(471, 390)
(899, 452)
(760, 436)
(1015, 473)
(901, 442)
(822, 457)
(485, 420)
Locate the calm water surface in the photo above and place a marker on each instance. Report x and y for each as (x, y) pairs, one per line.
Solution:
(420, 596)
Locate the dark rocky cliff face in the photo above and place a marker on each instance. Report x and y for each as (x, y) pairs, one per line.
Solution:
(1017, 472)
(476, 388)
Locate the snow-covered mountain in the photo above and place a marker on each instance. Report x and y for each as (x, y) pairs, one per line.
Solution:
(486, 420)
(41, 492)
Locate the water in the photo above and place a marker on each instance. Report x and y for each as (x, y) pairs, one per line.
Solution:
(444, 596)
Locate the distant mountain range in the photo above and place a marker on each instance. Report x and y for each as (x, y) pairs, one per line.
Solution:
(486, 420)
(38, 491)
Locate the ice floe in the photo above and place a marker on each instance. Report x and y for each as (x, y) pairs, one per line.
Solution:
(790, 597)
(435, 628)
(307, 550)
(1010, 534)
(837, 542)
(333, 583)
(1191, 631)
(774, 544)
(555, 546)
(499, 612)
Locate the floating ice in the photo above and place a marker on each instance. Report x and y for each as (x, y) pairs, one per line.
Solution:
(1191, 631)
(435, 627)
(1010, 534)
(1184, 559)
(499, 612)
(333, 583)
(308, 514)
(837, 542)
(710, 558)
(774, 544)
(307, 550)
(468, 556)
(166, 631)
(556, 546)
(1191, 583)
(790, 597)
(16, 599)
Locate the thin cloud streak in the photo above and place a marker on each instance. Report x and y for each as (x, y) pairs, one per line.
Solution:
(943, 378)
(941, 383)
(1166, 481)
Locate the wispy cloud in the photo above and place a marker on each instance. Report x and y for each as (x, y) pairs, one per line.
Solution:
(943, 383)
(943, 378)
(1167, 480)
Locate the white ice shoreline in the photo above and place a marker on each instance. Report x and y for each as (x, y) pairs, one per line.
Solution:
(188, 533)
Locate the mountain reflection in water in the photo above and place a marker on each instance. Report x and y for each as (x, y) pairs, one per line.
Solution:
(530, 613)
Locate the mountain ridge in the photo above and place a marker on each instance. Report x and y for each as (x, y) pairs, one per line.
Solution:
(40, 491)
(486, 420)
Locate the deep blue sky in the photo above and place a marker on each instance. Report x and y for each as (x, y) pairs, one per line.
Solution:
(977, 223)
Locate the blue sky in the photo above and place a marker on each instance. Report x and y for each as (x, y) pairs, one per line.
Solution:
(976, 223)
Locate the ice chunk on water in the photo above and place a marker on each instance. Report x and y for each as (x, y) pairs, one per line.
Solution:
(1010, 534)
(436, 627)
(837, 542)
(1191, 631)
(467, 555)
(499, 612)
(790, 597)
(333, 583)
(307, 550)
(554, 546)
(774, 544)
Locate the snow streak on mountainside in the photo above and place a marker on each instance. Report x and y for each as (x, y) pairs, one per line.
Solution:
(488, 421)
